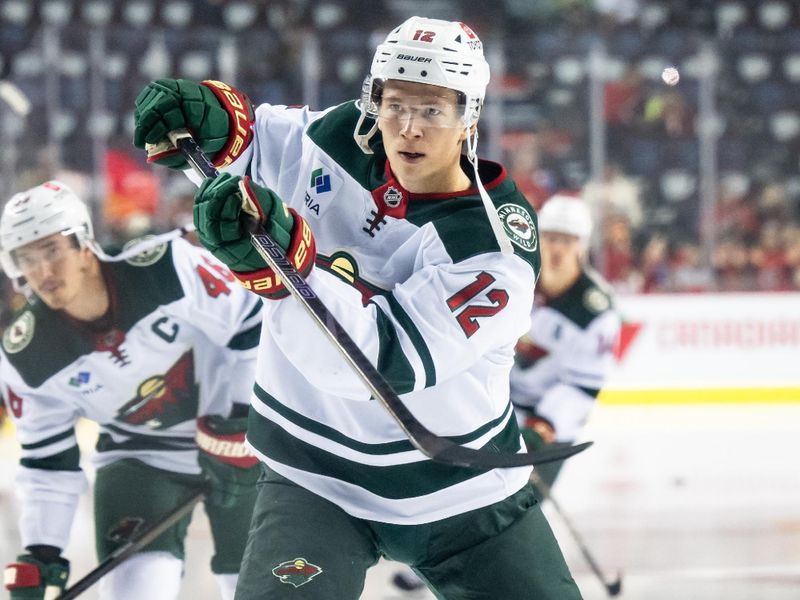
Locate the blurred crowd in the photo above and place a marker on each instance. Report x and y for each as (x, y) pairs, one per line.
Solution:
(653, 233)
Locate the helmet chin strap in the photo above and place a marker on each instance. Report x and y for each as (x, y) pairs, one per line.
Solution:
(362, 139)
(491, 211)
(140, 247)
(21, 287)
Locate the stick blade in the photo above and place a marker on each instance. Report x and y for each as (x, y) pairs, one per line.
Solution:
(482, 459)
(615, 587)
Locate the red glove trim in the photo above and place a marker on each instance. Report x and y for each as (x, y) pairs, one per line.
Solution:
(240, 111)
(22, 575)
(227, 448)
(301, 253)
(543, 427)
(151, 158)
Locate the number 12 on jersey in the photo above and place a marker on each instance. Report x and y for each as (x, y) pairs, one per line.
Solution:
(467, 318)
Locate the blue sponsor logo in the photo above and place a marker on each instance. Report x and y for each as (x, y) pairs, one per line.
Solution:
(320, 181)
(80, 379)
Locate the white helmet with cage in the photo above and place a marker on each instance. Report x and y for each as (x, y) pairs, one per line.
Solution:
(566, 214)
(49, 208)
(432, 51)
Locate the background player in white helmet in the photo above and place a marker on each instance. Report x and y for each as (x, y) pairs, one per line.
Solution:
(393, 232)
(159, 350)
(562, 362)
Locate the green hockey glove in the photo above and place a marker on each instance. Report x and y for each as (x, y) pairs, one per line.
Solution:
(225, 460)
(537, 432)
(32, 579)
(218, 116)
(224, 210)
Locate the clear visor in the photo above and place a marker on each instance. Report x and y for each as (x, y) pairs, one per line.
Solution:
(51, 250)
(400, 103)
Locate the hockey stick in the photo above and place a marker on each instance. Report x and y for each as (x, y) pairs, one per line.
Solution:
(433, 446)
(113, 560)
(15, 98)
(612, 587)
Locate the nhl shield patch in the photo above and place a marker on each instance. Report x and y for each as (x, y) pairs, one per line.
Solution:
(20, 333)
(519, 226)
(296, 572)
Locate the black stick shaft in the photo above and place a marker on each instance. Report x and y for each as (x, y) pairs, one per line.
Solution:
(113, 560)
(612, 587)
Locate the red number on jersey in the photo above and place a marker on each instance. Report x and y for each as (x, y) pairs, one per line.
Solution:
(467, 317)
(215, 284)
(14, 403)
(424, 36)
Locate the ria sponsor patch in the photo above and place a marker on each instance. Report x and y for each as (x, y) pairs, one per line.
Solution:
(296, 572)
(323, 185)
(519, 226)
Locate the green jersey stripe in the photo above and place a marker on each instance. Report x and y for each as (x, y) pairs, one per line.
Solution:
(254, 312)
(384, 448)
(68, 460)
(105, 443)
(392, 361)
(51, 440)
(246, 340)
(329, 432)
(416, 338)
(393, 482)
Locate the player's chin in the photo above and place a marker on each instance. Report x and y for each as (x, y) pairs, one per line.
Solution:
(53, 299)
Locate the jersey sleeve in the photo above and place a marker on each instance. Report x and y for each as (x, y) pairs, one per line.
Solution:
(49, 481)
(429, 328)
(277, 142)
(230, 319)
(583, 366)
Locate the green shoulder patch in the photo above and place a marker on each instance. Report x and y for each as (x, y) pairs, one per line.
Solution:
(520, 226)
(595, 300)
(583, 302)
(20, 333)
(147, 257)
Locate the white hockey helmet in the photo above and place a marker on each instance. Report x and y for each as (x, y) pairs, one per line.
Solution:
(443, 53)
(566, 214)
(49, 208)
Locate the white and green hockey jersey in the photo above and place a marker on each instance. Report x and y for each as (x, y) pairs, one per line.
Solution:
(563, 360)
(420, 284)
(181, 342)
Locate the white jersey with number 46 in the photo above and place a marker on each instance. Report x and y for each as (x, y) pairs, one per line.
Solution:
(180, 341)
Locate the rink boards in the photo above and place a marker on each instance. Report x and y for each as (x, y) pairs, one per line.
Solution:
(707, 348)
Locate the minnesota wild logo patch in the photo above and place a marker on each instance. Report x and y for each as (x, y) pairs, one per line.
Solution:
(296, 572)
(148, 256)
(20, 333)
(519, 226)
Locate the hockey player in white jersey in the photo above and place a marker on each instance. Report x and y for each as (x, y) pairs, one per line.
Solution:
(160, 351)
(562, 361)
(428, 258)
